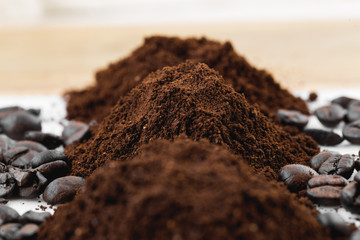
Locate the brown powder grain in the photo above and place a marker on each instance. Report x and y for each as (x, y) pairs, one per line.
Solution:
(182, 190)
(258, 86)
(189, 99)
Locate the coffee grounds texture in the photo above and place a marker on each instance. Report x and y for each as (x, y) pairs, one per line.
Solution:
(190, 99)
(182, 190)
(258, 86)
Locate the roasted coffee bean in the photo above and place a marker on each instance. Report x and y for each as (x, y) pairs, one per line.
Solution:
(22, 177)
(49, 140)
(353, 113)
(351, 132)
(46, 157)
(321, 157)
(327, 180)
(324, 137)
(296, 176)
(8, 214)
(28, 231)
(357, 177)
(74, 131)
(62, 189)
(350, 198)
(343, 101)
(10, 230)
(11, 154)
(16, 123)
(292, 117)
(34, 217)
(325, 195)
(37, 147)
(343, 165)
(330, 116)
(24, 160)
(54, 169)
(336, 223)
(7, 184)
(35, 189)
(3, 167)
(6, 142)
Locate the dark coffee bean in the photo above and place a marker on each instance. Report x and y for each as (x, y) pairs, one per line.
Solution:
(62, 189)
(34, 217)
(3, 167)
(75, 131)
(11, 154)
(343, 101)
(296, 176)
(330, 116)
(18, 122)
(46, 157)
(8, 214)
(320, 158)
(336, 223)
(357, 177)
(292, 117)
(49, 140)
(343, 165)
(325, 195)
(28, 231)
(353, 113)
(54, 169)
(330, 180)
(350, 197)
(351, 132)
(10, 230)
(35, 189)
(324, 137)
(6, 142)
(22, 177)
(24, 160)
(37, 147)
(7, 184)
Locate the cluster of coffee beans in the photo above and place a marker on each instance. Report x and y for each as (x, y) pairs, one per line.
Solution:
(341, 109)
(16, 227)
(32, 162)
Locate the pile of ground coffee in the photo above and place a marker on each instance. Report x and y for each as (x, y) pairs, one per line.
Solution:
(189, 99)
(182, 190)
(119, 78)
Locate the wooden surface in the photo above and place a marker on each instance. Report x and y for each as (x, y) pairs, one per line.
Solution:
(300, 55)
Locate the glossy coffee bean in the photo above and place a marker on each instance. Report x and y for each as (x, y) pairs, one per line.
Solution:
(11, 154)
(325, 195)
(50, 141)
(296, 176)
(292, 117)
(343, 101)
(54, 169)
(36, 187)
(324, 137)
(10, 230)
(327, 180)
(46, 157)
(337, 225)
(24, 160)
(62, 189)
(28, 231)
(320, 158)
(34, 217)
(16, 123)
(353, 113)
(343, 166)
(350, 198)
(330, 116)
(7, 184)
(8, 214)
(37, 147)
(74, 131)
(22, 177)
(351, 132)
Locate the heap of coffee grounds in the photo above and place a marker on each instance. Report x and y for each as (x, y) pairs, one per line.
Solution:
(182, 190)
(119, 78)
(191, 99)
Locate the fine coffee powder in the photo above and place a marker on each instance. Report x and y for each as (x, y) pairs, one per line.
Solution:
(189, 99)
(182, 190)
(119, 78)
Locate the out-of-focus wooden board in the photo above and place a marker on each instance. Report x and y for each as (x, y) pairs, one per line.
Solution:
(47, 60)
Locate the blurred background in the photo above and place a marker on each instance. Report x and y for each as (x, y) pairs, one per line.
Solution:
(48, 46)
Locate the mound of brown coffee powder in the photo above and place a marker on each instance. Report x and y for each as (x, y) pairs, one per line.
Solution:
(119, 78)
(182, 190)
(191, 99)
